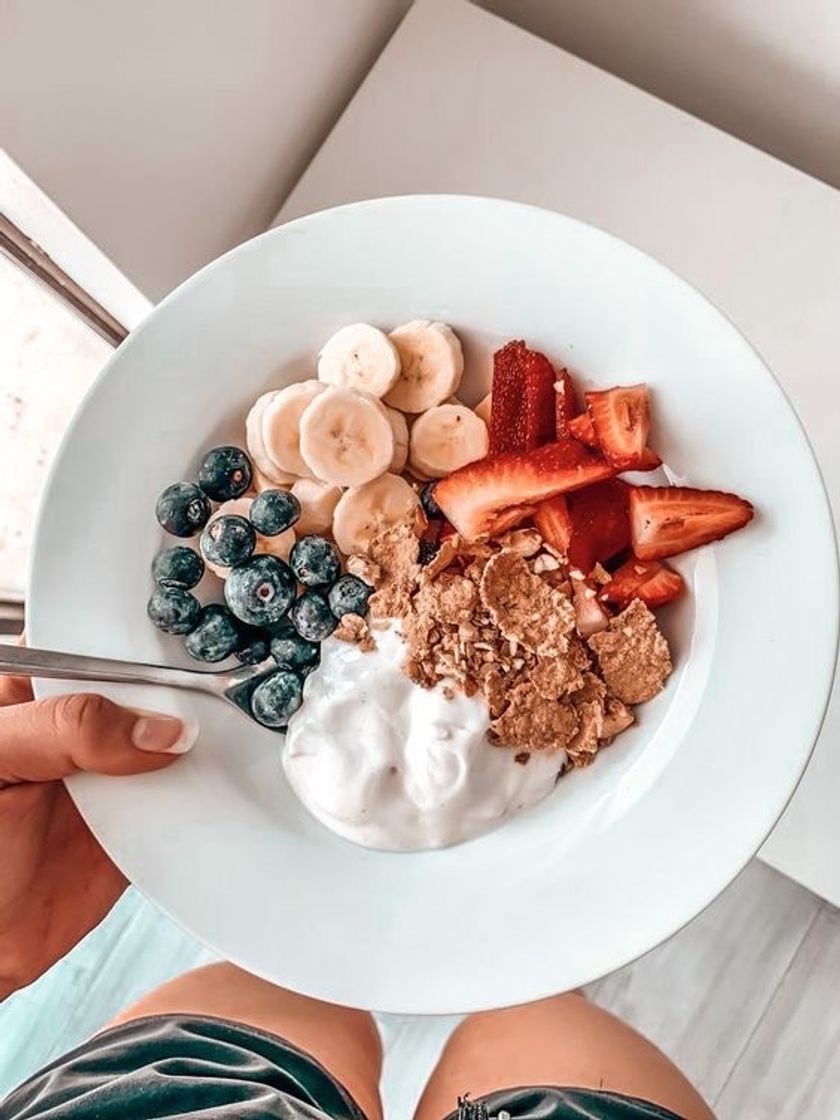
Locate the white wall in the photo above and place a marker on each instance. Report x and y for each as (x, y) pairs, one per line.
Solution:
(170, 130)
(767, 71)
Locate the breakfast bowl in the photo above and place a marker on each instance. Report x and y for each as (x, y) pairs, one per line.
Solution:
(621, 854)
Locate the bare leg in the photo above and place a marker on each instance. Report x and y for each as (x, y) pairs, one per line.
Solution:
(344, 1041)
(564, 1041)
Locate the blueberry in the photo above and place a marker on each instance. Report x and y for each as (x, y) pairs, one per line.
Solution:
(428, 550)
(289, 648)
(427, 500)
(274, 511)
(315, 561)
(183, 509)
(225, 473)
(173, 610)
(177, 567)
(228, 540)
(261, 590)
(253, 646)
(277, 698)
(216, 634)
(349, 595)
(311, 616)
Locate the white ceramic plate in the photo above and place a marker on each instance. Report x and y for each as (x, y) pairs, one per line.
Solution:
(622, 853)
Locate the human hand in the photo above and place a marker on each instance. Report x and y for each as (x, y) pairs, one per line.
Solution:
(56, 882)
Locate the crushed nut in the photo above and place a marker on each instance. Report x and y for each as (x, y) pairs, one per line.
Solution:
(498, 618)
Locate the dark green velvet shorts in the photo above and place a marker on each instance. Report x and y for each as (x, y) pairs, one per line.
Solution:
(179, 1066)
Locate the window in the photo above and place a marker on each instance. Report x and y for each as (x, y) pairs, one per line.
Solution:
(55, 336)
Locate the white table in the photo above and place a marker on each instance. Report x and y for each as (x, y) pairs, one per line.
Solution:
(462, 101)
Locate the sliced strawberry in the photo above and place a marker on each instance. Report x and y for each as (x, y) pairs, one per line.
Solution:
(553, 522)
(508, 519)
(649, 580)
(538, 405)
(621, 420)
(667, 520)
(600, 525)
(522, 402)
(582, 428)
(473, 496)
(565, 404)
(507, 431)
(648, 461)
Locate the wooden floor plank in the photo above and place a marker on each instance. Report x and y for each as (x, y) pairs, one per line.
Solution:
(700, 995)
(132, 951)
(706, 996)
(412, 1045)
(791, 1068)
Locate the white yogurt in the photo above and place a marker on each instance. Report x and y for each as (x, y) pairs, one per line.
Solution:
(390, 765)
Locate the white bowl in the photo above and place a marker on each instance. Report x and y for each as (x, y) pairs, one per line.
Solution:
(623, 853)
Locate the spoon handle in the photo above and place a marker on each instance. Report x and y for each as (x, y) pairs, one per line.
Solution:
(44, 663)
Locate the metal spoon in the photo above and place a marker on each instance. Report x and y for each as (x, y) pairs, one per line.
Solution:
(235, 685)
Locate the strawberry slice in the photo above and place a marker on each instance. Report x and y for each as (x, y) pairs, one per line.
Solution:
(621, 420)
(538, 405)
(522, 401)
(667, 520)
(508, 519)
(565, 404)
(582, 428)
(473, 496)
(507, 423)
(600, 525)
(553, 522)
(649, 580)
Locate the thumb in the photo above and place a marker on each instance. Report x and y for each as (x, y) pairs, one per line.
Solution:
(49, 739)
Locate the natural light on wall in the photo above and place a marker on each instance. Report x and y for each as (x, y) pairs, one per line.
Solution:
(48, 356)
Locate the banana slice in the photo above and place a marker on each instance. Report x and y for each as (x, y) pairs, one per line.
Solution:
(256, 444)
(399, 426)
(260, 482)
(317, 504)
(360, 357)
(346, 437)
(280, 545)
(364, 511)
(446, 438)
(482, 409)
(432, 365)
(281, 425)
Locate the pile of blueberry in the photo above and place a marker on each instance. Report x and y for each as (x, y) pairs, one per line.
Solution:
(264, 615)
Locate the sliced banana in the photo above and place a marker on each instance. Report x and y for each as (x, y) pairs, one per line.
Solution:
(260, 482)
(446, 438)
(256, 444)
(346, 437)
(482, 409)
(399, 426)
(279, 545)
(317, 504)
(432, 365)
(360, 357)
(281, 425)
(364, 511)
(416, 473)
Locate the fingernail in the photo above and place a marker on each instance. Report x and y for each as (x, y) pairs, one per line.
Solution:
(164, 734)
